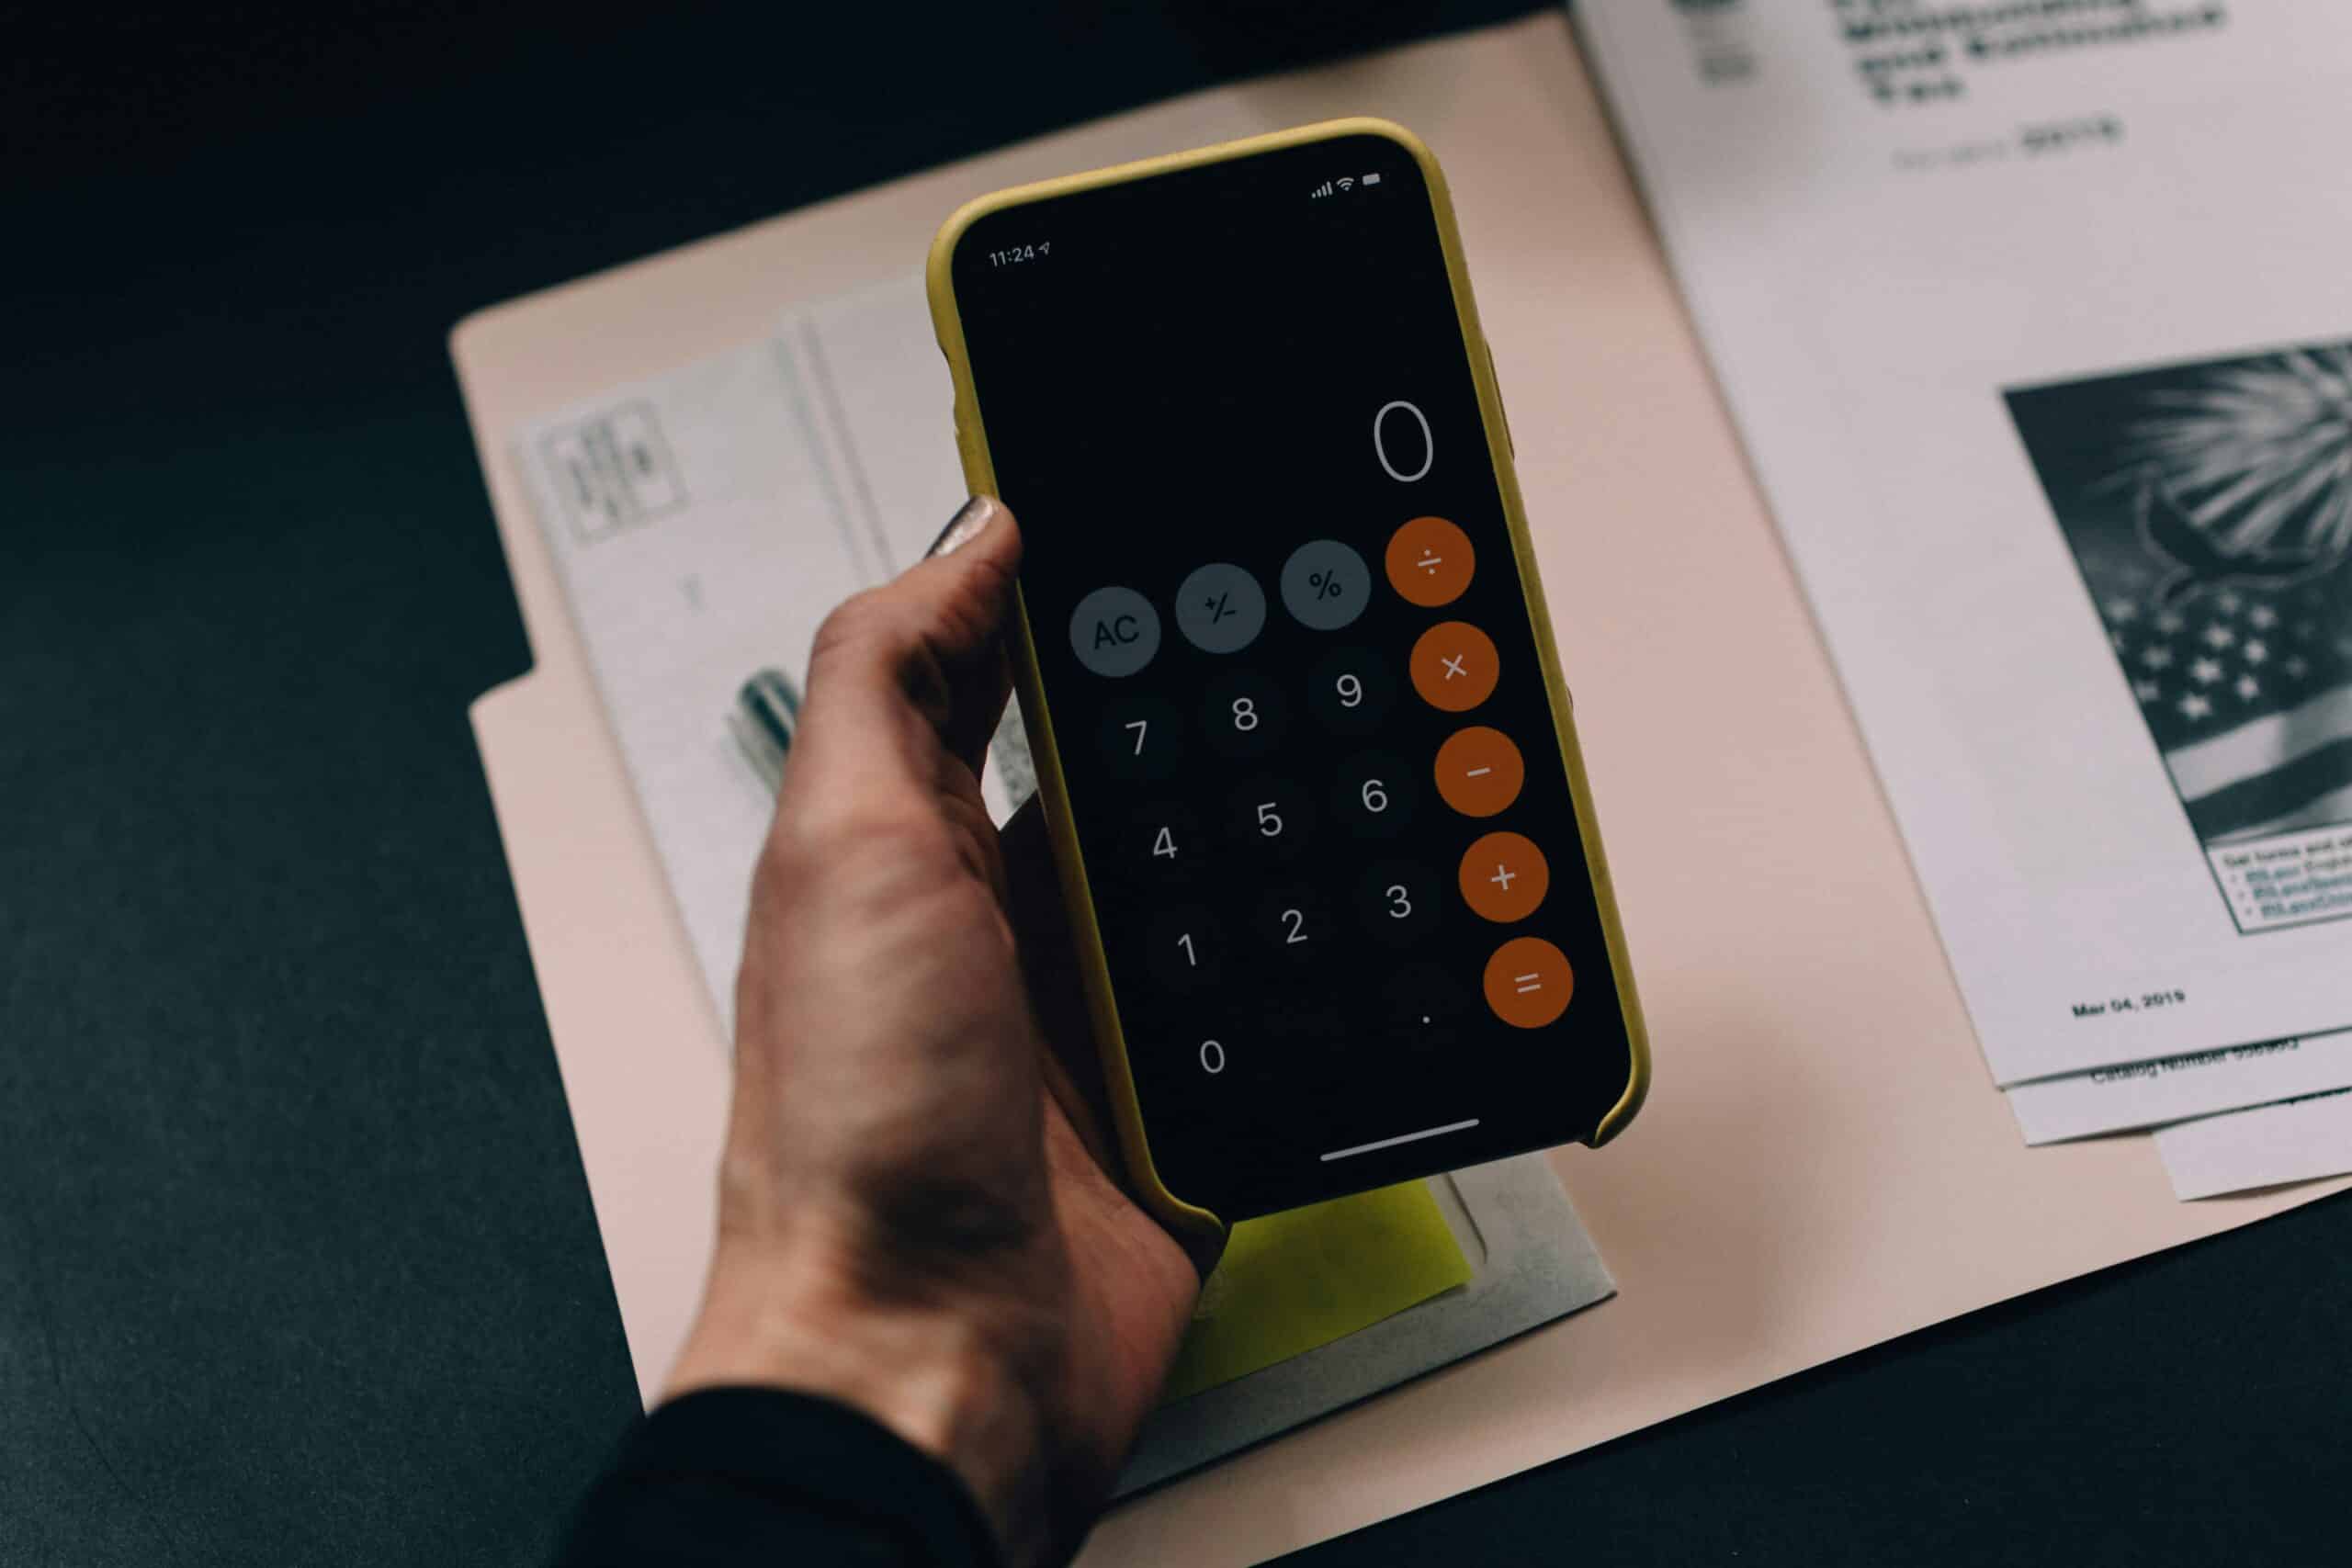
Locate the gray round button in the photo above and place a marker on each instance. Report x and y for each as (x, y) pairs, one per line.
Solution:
(1114, 631)
(1326, 584)
(1220, 609)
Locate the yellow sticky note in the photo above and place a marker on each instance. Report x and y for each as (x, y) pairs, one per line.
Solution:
(1290, 1282)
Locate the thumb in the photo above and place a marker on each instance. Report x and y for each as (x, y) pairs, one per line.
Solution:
(924, 651)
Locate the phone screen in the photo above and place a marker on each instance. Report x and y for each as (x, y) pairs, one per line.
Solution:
(1288, 665)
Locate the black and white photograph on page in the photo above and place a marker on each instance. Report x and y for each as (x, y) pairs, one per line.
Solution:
(2209, 507)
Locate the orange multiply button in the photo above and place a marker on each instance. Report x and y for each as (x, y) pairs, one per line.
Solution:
(1454, 666)
(1529, 982)
(1479, 771)
(1430, 561)
(1504, 876)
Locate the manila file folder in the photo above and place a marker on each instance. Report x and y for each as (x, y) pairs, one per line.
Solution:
(1824, 1163)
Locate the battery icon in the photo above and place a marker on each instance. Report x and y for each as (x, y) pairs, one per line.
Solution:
(1371, 179)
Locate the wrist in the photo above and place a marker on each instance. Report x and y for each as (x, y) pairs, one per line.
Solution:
(930, 1375)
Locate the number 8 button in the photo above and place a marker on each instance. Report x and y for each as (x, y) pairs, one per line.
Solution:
(1244, 713)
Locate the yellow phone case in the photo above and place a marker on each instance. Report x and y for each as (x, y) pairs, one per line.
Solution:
(980, 472)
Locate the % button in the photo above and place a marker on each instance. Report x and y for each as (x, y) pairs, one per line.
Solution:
(1326, 584)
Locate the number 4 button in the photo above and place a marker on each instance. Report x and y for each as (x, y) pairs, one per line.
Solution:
(1164, 842)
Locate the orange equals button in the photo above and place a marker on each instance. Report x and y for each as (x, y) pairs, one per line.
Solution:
(1529, 982)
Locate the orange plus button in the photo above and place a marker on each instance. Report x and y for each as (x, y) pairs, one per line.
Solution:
(1504, 876)
(1430, 561)
(1454, 666)
(1479, 771)
(1529, 982)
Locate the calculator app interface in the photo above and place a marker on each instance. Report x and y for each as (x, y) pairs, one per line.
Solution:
(1287, 660)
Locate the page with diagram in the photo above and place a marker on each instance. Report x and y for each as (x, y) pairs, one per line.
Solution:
(2036, 323)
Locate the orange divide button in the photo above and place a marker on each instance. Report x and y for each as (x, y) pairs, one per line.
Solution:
(1429, 562)
(1479, 771)
(1454, 666)
(1504, 876)
(1529, 982)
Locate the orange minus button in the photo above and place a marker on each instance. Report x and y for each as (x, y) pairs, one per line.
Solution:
(1479, 771)
(1529, 982)
(1454, 666)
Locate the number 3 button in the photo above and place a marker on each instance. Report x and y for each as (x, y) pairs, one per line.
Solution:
(1397, 902)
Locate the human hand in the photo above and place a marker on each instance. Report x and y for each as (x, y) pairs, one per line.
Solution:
(909, 1220)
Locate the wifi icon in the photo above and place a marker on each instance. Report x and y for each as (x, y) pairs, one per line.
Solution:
(1346, 182)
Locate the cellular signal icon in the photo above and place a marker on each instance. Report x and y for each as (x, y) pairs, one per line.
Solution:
(1319, 191)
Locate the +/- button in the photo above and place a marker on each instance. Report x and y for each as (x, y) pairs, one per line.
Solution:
(1479, 771)
(1504, 876)
(1529, 982)
(1429, 562)
(1220, 609)
(1454, 666)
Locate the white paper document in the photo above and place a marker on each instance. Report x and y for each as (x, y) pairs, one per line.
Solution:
(2037, 325)
(706, 521)
(2298, 1141)
(2134, 1095)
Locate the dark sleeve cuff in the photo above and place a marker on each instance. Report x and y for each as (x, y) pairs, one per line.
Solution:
(733, 1477)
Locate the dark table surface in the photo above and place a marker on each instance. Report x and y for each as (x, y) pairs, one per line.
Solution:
(296, 1260)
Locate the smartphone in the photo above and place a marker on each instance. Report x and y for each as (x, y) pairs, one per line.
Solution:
(1301, 734)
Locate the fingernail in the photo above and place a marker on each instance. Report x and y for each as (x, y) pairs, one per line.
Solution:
(964, 526)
